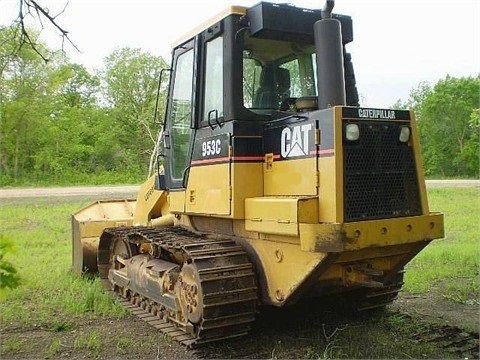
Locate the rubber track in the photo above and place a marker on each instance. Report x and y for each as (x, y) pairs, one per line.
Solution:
(227, 313)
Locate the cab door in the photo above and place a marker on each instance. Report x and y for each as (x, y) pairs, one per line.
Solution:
(209, 183)
(178, 131)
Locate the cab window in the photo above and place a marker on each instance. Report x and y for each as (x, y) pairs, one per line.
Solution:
(181, 114)
(213, 100)
(275, 73)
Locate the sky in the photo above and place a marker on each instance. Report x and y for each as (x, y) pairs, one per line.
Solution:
(397, 43)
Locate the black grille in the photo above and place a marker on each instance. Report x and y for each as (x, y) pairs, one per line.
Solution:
(380, 178)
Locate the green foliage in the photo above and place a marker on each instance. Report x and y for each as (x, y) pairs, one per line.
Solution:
(60, 124)
(448, 119)
(132, 81)
(9, 278)
(91, 342)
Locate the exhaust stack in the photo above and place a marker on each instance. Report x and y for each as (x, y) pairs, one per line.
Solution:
(330, 69)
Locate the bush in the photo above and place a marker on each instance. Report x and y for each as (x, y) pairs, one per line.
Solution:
(9, 278)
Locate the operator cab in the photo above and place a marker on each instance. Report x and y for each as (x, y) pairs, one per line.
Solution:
(248, 62)
(251, 65)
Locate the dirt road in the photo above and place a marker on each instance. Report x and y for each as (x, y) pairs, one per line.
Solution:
(130, 191)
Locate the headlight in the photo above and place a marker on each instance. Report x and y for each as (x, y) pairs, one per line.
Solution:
(404, 134)
(352, 132)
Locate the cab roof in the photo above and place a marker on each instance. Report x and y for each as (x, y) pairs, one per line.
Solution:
(232, 10)
(275, 21)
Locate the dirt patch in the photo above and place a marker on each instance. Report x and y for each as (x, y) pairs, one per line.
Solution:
(435, 309)
(413, 326)
(127, 338)
(452, 325)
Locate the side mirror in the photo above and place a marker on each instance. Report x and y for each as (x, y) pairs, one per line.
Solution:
(158, 94)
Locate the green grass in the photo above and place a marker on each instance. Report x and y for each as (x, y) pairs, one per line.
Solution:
(51, 297)
(451, 265)
(53, 349)
(42, 255)
(90, 342)
(13, 344)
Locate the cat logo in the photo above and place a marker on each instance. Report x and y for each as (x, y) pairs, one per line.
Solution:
(294, 141)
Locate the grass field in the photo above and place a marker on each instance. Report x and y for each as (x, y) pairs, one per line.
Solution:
(451, 265)
(42, 254)
(52, 298)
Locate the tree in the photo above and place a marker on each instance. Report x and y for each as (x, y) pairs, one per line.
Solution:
(131, 79)
(23, 104)
(58, 126)
(48, 117)
(447, 115)
(68, 146)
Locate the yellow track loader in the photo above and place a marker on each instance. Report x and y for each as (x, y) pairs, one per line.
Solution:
(276, 185)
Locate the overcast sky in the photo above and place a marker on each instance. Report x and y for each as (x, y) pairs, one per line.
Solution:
(397, 44)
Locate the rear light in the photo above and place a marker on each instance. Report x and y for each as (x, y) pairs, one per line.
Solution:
(352, 132)
(404, 134)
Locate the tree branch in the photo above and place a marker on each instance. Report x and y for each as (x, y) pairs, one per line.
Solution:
(39, 13)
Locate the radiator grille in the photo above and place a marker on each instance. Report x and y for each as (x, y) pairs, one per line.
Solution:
(380, 178)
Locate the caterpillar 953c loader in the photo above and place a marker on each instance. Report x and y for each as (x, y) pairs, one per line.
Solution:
(275, 186)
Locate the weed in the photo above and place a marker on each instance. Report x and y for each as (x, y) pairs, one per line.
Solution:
(53, 349)
(90, 300)
(276, 349)
(123, 344)
(80, 342)
(462, 293)
(402, 323)
(311, 353)
(13, 345)
(91, 342)
(60, 325)
(9, 278)
(332, 351)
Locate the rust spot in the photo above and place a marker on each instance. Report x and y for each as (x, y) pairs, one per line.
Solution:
(332, 242)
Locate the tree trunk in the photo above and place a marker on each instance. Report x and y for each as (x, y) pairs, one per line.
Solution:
(16, 156)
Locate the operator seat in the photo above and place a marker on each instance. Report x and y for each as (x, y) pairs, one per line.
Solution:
(274, 88)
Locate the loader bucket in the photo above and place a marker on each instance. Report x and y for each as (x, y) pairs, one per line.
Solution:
(89, 223)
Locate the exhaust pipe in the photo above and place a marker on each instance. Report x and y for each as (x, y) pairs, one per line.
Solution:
(330, 68)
